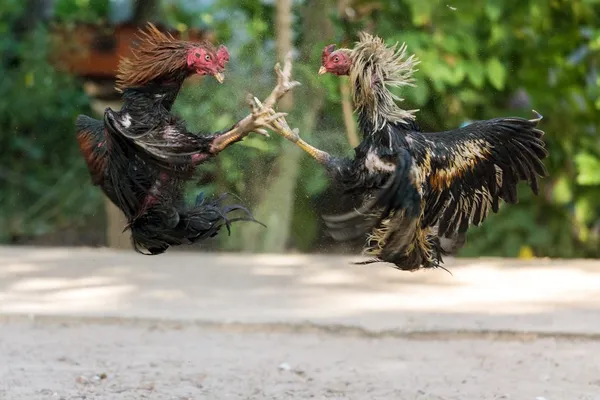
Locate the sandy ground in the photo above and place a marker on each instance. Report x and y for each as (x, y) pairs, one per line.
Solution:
(88, 324)
(135, 360)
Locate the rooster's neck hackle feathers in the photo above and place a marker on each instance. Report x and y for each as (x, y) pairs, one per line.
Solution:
(375, 68)
(158, 55)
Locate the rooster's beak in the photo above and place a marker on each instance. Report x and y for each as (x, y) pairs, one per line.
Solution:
(322, 70)
(219, 77)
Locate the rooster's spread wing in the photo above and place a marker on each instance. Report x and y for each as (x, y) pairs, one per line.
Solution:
(91, 139)
(114, 164)
(464, 173)
(446, 180)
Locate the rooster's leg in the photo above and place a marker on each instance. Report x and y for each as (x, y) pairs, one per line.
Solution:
(321, 156)
(281, 127)
(262, 115)
(255, 122)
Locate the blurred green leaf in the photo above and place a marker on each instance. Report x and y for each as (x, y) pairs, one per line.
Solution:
(475, 73)
(561, 191)
(421, 11)
(496, 73)
(585, 209)
(493, 9)
(316, 182)
(419, 94)
(588, 167)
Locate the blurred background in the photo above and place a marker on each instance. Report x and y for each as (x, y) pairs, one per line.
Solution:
(479, 59)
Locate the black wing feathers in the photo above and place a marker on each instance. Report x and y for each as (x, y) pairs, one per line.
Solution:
(146, 183)
(477, 166)
(399, 192)
(148, 142)
(462, 174)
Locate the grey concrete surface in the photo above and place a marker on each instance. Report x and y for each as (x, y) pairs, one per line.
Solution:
(98, 324)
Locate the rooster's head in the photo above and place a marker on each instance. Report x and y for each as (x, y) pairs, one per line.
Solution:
(159, 57)
(334, 61)
(203, 60)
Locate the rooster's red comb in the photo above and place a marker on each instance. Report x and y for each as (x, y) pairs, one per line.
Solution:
(327, 51)
(222, 56)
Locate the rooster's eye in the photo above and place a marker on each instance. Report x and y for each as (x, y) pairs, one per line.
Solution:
(336, 59)
(207, 57)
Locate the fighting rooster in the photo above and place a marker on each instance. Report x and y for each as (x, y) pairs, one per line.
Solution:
(420, 191)
(141, 155)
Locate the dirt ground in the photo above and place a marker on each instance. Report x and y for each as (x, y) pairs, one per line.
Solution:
(72, 358)
(98, 324)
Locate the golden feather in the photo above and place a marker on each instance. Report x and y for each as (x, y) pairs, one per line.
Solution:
(375, 68)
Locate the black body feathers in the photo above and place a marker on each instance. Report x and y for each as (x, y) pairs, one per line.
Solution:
(421, 190)
(141, 157)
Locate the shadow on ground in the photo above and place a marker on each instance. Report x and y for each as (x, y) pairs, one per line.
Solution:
(481, 294)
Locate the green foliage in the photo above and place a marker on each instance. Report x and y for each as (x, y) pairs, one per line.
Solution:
(40, 165)
(496, 73)
(478, 60)
(90, 11)
(588, 168)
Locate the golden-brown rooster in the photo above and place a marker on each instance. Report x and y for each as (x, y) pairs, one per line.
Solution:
(420, 191)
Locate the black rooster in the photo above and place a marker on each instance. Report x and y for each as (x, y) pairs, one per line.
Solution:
(142, 155)
(420, 191)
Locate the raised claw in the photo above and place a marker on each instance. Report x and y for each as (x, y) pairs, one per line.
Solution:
(263, 115)
(538, 117)
(277, 115)
(262, 132)
(251, 101)
(258, 102)
(268, 121)
(283, 76)
(281, 127)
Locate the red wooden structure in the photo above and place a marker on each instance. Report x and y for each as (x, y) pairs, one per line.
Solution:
(94, 51)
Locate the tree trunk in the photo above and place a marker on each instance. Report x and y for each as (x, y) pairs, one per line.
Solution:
(276, 207)
(344, 82)
(116, 221)
(351, 133)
